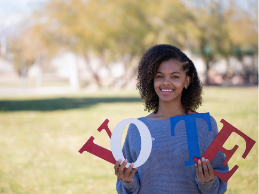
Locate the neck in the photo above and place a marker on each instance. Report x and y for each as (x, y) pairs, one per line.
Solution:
(170, 109)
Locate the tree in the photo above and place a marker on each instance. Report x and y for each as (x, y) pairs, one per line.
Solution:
(225, 30)
(115, 30)
(22, 52)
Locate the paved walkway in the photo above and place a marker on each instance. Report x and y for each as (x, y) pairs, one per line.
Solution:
(10, 91)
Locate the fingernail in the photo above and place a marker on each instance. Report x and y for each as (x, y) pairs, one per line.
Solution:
(203, 159)
(199, 161)
(131, 165)
(125, 160)
(207, 160)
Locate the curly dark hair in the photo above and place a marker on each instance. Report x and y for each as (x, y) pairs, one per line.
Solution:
(147, 69)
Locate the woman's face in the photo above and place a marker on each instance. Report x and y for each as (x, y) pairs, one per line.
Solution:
(170, 80)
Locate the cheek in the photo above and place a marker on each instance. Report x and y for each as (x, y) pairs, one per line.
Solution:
(157, 84)
(177, 83)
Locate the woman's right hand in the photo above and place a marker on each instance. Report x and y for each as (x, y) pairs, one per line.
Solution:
(123, 174)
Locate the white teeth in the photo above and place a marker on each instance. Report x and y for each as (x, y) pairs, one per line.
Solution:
(166, 90)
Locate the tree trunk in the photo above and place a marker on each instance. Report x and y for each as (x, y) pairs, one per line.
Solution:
(23, 74)
(97, 80)
(128, 70)
(95, 75)
(206, 72)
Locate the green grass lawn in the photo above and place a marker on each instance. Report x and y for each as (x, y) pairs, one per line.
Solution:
(40, 138)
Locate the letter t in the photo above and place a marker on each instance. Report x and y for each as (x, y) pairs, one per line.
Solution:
(191, 132)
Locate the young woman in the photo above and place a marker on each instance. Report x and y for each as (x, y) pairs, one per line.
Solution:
(169, 86)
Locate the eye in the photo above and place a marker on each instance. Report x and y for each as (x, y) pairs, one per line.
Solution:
(159, 76)
(175, 77)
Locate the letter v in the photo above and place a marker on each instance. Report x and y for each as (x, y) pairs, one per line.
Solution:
(97, 150)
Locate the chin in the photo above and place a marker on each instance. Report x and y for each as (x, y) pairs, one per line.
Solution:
(166, 99)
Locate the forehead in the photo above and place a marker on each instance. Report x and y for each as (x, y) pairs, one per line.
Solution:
(170, 65)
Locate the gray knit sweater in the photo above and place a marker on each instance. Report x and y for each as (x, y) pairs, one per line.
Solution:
(164, 172)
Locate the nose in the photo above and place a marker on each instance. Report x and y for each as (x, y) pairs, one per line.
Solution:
(166, 81)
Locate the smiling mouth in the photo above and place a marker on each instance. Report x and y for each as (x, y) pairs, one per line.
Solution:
(167, 90)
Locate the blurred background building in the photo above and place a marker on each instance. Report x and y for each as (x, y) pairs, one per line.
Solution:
(92, 45)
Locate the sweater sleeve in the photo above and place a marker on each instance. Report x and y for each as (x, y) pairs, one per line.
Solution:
(125, 187)
(216, 186)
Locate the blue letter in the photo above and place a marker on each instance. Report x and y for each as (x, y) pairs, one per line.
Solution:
(191, 132)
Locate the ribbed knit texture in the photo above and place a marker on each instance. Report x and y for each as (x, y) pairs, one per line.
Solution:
(164, 172)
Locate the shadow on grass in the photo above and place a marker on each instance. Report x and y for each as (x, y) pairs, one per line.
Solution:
(59, 103)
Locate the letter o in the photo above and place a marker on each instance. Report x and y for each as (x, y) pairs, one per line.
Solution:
(146, 141)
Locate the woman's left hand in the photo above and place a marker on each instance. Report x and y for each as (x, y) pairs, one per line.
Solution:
(206, 174)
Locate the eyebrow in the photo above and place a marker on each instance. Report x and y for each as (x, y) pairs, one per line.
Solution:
(170, 73)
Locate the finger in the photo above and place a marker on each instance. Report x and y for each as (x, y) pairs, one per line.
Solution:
(121, 169)
(132, 173)
(205, 169)
(211, 171)
(200, 172)
(116, 167)
(197, 173)
(127, 172)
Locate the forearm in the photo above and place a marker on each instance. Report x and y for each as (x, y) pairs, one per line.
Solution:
(216, 186)
(128, 187)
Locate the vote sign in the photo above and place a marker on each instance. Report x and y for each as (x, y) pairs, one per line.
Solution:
(192, 140)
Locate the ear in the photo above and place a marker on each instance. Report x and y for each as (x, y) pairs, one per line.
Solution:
(187, 82)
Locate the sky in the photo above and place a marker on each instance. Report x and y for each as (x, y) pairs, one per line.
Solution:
(20, 6)
(13, 11)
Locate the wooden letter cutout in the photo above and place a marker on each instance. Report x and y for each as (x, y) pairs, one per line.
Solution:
(146, 141)
(217, 145)
(191, 132)
(97, 150)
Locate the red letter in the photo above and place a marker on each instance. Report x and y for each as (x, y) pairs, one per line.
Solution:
(97, 150)
(105, 126)
(217, 145)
